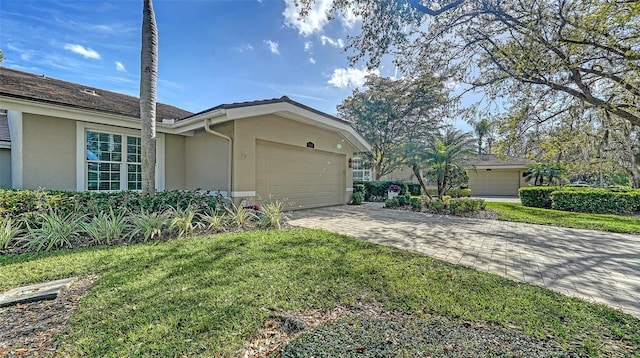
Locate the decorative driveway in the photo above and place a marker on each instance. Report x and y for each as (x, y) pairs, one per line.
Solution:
(596, 266)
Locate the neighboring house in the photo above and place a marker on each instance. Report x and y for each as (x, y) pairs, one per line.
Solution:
(5, 152)
(493, 176)
(68, 136)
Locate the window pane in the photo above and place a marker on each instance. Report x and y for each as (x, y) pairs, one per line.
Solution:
(103, 176)
(134, 176)
(134, 151)
(104, 146)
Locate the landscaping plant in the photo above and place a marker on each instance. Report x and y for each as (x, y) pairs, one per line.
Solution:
(9, 229)
(105, 228)
(55, 231)
(148, 224)
(273, 214)
(182, 221)
(213, 221)
(240, 216)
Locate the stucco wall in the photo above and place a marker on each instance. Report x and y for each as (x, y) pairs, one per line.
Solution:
(206, 162)
(175, 165)
(5, 168)
(281, 130)
(401, 174)
(49, 152)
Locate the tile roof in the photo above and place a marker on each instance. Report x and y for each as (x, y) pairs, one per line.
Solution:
(283, 99)
(23, 85)
(4, 128)
(495, 161)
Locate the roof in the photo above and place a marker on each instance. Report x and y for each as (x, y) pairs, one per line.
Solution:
(283, 99)
(23, 85)
(4, 128)
(490, 160)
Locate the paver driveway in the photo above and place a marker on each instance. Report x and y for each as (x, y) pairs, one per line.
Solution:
(597, 266)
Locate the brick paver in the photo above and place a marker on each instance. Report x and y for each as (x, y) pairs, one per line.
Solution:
(596, 266)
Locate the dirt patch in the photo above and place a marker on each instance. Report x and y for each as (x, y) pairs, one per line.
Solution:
(28, 329)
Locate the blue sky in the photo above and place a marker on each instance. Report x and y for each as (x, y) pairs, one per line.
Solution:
(210, 52)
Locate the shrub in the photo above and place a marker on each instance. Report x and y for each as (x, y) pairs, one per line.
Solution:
(436, 206)
(597, 201)
(148, 224)
(55, 231)
(9, 229)
(466, 205)
(403, 199)
(377, 190)
(106, 228)
(391, 203)
(182, 220)
(273, 214)
(240, 216)
(416, 203)
(359, 188)
(357, 198)
(454, 193)
(537, 196)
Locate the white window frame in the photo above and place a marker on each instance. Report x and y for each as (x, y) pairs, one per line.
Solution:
(366, 173)
(81, 154)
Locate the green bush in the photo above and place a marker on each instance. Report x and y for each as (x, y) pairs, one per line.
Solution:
(357, 197)
(403, 199)
(454, 193)
(416, 203)
(377, 190)
(360, 188)
(466, 205)
(391, 203)
(537, 196)
(436, 206)
(596, 201)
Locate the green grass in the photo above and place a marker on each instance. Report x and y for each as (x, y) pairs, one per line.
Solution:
(205, 296)
(603, 222)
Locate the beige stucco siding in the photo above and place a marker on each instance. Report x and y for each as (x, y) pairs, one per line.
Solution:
(175, 165)
(401, 174)
(5, 168)
(206, 162)
(499, 182)
(49, 152)
(286, 131)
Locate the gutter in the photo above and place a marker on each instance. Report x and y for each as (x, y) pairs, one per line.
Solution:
(208, 129)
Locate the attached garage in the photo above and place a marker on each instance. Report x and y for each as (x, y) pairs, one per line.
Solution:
(304, 177)
(493, 176)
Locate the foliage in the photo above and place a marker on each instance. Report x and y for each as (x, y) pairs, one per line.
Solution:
(273, 214)
(53, 231)
(205, 296)
(394, 188)
(182, 220)
(360, 188)
(596, 201)
(106, 228)
(239, 216)
(458, 178)
(391, 113)
(465, 205)
(416, 203)
(601, 222)
(391, 203)
(436, 206)
(538, 197)
(454, 193)
(148, 225)
(545, 174)
(9, 230)
(377, 190)
(357, 198)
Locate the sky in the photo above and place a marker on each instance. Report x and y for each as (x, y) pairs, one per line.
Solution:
(210, 52)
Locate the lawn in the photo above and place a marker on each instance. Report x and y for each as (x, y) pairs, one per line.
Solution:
(603, 222)
(205, 296)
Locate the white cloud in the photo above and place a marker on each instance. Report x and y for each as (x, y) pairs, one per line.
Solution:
(120, 67)
(84, 51)
(273, 46)
(244, 48)
(328, 40)
(315, 20)
(350, 77)
(307, 46)
(349, 18)
(312, 61)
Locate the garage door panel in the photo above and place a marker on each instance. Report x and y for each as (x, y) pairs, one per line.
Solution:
(302, 176)
(492, 183)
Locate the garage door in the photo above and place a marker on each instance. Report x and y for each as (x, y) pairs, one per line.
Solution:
(302, 176)
(490, 183)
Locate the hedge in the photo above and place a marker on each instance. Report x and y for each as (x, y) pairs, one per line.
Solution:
(377, 190)
(537, 196)
(14, 203)
(596, 201)
(454, 193)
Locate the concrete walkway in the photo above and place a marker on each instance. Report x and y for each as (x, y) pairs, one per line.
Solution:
(596, 266)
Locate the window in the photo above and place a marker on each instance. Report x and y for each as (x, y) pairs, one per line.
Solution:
(113, 162)
(360, 173)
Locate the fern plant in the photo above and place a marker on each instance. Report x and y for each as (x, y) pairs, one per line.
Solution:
(103, 229)
(9, 229)
(55, 231)
(148, 225)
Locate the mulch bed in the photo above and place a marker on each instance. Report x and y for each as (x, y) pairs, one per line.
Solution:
(28, 329)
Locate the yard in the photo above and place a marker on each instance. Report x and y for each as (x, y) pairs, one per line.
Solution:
(209, 295)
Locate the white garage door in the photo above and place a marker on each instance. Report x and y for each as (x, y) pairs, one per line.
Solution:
(302, 176)
(494, 183)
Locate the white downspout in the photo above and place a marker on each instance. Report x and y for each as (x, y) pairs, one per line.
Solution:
(230, 141)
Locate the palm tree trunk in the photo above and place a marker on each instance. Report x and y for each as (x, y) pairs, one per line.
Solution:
(148, 80)
(416, 172)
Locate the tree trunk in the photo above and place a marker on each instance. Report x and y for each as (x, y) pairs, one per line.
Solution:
(148, 79)
(416, 172)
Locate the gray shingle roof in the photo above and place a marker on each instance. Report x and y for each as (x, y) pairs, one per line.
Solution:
(494, 161)
(23, 85)
(4, 128)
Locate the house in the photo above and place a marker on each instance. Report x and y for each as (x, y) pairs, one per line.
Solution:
(67, 136)
(490, 175)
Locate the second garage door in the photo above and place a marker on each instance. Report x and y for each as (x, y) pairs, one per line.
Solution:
(301, 176)
(494, 183)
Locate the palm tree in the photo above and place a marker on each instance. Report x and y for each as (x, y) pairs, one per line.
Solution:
(482, 128)
(536, 174)
(445, 152)
(148, 80)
